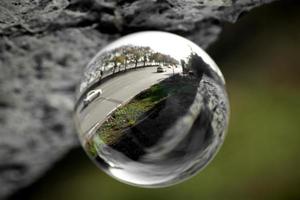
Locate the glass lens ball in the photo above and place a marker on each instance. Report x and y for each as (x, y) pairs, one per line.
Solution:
(152, 109)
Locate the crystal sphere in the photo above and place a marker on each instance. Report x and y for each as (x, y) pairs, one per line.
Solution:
(152, 109)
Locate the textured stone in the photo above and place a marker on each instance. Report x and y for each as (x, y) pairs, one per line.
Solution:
(44, 44)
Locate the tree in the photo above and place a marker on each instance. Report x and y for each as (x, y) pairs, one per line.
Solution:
(156, 57)
(121, 60)
(198, 66)
(183, 65)
(105, 62)
(117, 61)
(145, 54)
(153, 57)
(125, 51)
(135, 55)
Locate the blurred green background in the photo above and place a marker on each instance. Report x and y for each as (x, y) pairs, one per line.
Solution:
(260, 159)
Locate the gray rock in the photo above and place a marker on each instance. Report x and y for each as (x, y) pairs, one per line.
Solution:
(44, 45)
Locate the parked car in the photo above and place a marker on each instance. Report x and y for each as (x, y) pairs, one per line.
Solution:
(91, 95)
(160, 69)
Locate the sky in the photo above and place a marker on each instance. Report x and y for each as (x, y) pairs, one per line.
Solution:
(163, 42)
(159, 41)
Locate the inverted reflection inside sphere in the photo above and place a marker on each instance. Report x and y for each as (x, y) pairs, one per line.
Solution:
(152, 109)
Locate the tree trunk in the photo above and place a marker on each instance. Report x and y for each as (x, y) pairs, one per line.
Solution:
(115, 67)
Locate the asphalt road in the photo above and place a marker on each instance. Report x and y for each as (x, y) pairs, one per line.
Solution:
(117, 91)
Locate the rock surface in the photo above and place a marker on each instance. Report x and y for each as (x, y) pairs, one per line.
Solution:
(44, 45)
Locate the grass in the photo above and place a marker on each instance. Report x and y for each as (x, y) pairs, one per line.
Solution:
(91, 148)
(129, 114)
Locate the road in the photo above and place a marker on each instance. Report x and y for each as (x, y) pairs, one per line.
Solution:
(116, 92)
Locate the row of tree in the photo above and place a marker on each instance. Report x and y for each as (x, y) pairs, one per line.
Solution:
(119, 59)
(124, 56)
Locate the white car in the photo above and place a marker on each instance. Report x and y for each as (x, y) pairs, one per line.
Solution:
(91, 95)
(160, 69)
